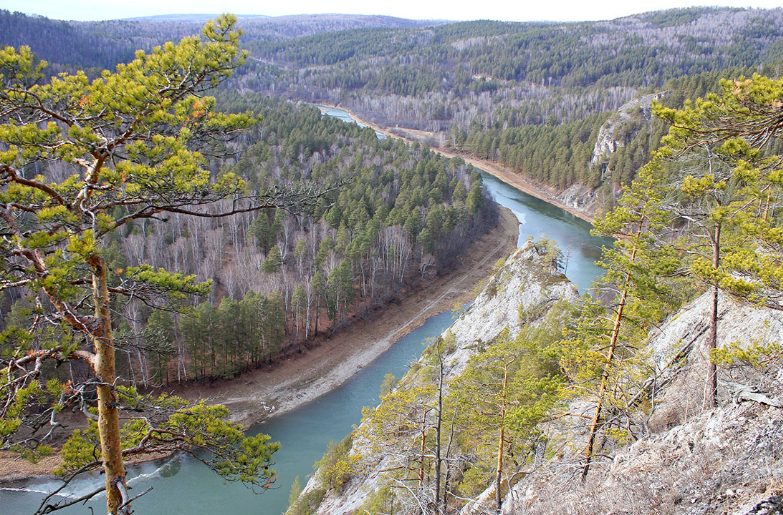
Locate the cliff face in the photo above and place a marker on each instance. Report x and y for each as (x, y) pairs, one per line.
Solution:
(691, 460)
(681, 458)
(608, 142)
(528, 284)
(583, 199)
(726, 461)
(619, 129)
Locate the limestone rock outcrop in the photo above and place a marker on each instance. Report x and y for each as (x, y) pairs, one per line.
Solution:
(526, 285)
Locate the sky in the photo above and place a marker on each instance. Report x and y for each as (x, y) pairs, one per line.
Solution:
(505, 10)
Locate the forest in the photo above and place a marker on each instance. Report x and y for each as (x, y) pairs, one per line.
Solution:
(508, 91)
(542, 411)
(281, 224)
(102, 45)
(281, 277)
(494, 90)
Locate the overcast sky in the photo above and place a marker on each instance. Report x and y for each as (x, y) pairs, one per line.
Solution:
(507, 10)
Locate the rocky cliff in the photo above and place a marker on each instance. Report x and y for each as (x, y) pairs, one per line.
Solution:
(680, 458)
(691, 460)
(608, 140)
(615, 133)
(519, 293)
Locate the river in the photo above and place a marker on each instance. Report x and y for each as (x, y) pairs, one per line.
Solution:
(537, 218)
(183, 485)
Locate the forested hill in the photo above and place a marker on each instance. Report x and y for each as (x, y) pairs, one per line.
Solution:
(104, 44)
(638, 51)
(402, 215)
(295, 26)
(86, 44)
(492, 89)
(531, 96)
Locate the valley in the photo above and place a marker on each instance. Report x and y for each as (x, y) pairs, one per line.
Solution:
(196, 251)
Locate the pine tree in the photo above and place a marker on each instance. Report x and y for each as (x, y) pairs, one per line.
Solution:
(637, 266)
(273, 261)
(128, 139)
(298, 305)
(726, 190)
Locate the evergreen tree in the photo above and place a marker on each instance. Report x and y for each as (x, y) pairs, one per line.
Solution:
(298, 305)
(273, 261)
(602, 349)
(127, 140)
(160, 343)
(725, 185)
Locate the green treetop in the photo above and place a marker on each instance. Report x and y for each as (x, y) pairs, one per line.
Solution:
(717, 181)
(80, 158)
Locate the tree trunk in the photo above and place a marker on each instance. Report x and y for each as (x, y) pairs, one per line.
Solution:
(108, 412)
(712, 340)
(422, 449)
(317, 315)
(438, 450)
(612, 347)
(502, 437)
(447, 479)
(604, 383)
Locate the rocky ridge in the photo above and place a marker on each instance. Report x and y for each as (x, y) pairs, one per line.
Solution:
(590, 200)
(607, 143)
(528, 282)
(685, 458)
(692, 460)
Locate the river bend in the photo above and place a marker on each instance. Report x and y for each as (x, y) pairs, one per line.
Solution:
(182, 485)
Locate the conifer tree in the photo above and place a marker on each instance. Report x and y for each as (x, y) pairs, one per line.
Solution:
(636, 266)
(726, 192)
(128, 142)
(273, 261)
(509, 387)
(298, 305)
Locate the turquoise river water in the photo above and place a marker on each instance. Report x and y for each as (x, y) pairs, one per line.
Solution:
(184, 486)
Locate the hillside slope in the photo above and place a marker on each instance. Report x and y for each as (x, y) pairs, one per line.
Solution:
(527, 284)
(691, 460)
(531, 97)
(681, 459)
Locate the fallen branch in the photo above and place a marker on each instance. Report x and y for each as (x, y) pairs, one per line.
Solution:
(744, 392)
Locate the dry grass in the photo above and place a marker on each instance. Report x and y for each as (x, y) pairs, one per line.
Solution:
(716, 463)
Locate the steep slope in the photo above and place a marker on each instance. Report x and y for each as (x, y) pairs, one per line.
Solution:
(691, 460)
(357, 469)
(679, 458)
(619, 130)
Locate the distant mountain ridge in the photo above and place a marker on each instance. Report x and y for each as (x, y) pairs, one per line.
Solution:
(532, 97)
(104, 44)
(190, 18)
(369, 20)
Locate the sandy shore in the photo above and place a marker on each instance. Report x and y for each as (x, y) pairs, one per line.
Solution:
(504, 174)
(329, 362)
